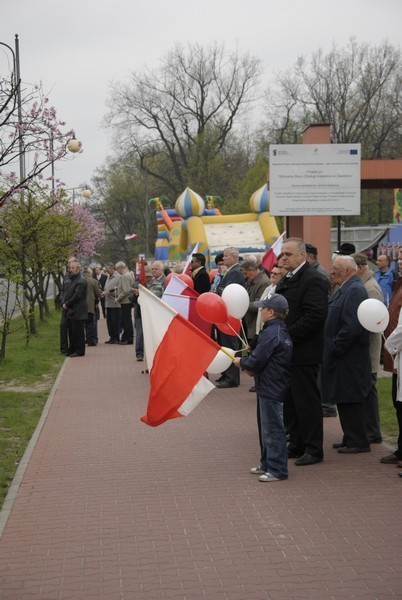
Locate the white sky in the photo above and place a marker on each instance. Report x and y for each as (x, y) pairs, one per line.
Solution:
(77, 47)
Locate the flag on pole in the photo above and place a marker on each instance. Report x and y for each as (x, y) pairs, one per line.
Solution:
(177, 354)
(130, 236)
(271, 255)
(186, 269)
(182, 298)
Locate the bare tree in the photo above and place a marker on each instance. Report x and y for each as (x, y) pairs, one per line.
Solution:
(31, 135)
(194, 99)
(357, 89)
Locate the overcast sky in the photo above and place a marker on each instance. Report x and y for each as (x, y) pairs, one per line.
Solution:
(77, 47)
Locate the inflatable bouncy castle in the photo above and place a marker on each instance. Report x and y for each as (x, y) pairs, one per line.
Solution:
(193, 221)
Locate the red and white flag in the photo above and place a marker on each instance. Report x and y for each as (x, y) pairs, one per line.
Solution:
(130, 236)
(182, 298)
(186, 269)
(271, 255)
(177, 355)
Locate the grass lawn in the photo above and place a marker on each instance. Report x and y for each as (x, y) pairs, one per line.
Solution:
(26, 378)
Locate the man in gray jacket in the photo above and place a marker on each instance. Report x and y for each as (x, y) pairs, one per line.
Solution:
(124, 286)
(113, 310)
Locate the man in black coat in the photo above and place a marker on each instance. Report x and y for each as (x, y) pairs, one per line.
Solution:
(231, 377)
(346, 367)
(199, 273)
(75, 307)
(307, 294)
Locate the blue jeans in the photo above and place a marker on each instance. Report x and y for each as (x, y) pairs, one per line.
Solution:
(273, 437)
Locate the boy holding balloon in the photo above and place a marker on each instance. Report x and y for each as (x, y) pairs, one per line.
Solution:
(270, 363)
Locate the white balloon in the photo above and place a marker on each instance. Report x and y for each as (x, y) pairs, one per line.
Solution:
(221, 362)
(373, 315)
(236, 298)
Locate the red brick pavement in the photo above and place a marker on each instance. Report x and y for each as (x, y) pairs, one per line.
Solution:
(110, 509)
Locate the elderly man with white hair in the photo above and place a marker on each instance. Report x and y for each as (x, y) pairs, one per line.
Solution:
(346, 368)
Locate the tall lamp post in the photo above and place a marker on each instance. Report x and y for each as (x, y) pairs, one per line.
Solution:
(16, 89)
(85, 192)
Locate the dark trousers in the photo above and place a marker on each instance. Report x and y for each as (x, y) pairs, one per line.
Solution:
(91, 333)
(63, 332)
(398, 410)
(128, 331)
(139, 338)
(352, 418)
(76, 334)
(303, 412)
(373, 413)
(232, 374)
(113, 322)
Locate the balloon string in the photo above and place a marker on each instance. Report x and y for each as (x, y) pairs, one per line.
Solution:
(244, 343)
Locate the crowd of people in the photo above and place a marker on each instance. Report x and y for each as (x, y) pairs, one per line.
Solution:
(307, 351)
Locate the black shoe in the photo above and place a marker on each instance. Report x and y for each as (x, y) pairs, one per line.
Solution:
(220, 379)
(227, 384)
(307, 459)
(140, 358)
(376, 441)
(92, 344)
(74, 355)
(328, 413)
(125, 343)
(64, 352)
(338, 445)
(294, 454)
(252, 389)
(111, 342)
(347, 450)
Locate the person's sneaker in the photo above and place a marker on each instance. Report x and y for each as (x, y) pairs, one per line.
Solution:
(268, 477)
(257, 471)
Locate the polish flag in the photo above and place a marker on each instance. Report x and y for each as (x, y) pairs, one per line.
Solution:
(182, 298)
(271, 255)
(130, 236)
(186, 269)
(177, 355)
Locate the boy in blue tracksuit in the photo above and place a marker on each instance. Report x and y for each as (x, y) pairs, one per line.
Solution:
(270, 363)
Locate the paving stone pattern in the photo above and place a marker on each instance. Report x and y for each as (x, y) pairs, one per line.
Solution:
(111, 509)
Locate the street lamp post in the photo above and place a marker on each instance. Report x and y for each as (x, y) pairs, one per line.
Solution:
(16, 89)
(85, 192)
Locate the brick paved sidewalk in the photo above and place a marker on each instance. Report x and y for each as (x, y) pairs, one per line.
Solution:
(110, 509)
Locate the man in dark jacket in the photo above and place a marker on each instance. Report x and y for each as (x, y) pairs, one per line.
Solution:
(199, 273)
(307, 294)
(346, 368)
(75, 307)
(231, 377)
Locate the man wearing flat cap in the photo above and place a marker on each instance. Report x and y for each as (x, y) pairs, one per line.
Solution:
(311, 258)
(346, 249)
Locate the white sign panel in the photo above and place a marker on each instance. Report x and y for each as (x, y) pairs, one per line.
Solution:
(314, 179)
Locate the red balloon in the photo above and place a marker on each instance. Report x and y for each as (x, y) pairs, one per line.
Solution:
(183, 276)
(187, 279)
(212, 274)
(212, 308)
(231, 324)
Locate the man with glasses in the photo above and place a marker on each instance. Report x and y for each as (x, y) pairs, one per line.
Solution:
(199, 273)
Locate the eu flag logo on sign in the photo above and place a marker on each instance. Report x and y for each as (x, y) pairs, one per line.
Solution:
(353, 151)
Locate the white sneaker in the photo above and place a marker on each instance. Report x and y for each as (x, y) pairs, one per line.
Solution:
(257, 470)
(268, 477)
